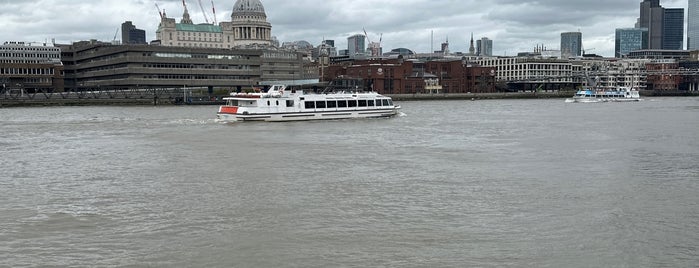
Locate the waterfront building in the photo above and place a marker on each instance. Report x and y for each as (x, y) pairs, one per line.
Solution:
(614, 73)
(571, 44)
(30, 68)
(248, 28)
(651, 18)
(92, 64)
(673, 29)
(693, 25)
(659, 54)
(399, 76)
(528, 73)
(484, 47)
(630, 39)
(132, 35)
(356, 45)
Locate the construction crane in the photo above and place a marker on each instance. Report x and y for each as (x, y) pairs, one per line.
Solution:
(213, 8)
(206, 18)
(159, 11)
(373, 46)
(115, 34)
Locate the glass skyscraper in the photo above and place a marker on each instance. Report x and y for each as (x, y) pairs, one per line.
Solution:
(630, 39)
(693, 25)
(673, 29)
(484, 47)
(571, 44)
(356, 45)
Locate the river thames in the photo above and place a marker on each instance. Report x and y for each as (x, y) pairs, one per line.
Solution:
(493, 183)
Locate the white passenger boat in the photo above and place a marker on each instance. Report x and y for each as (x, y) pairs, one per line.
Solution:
(281, 103)
(622, 94)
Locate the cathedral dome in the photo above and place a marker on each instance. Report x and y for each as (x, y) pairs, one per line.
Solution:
(248, 7)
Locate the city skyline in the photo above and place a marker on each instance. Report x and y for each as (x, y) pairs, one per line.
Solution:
(310, 20)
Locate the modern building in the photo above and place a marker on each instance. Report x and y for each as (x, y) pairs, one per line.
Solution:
(693, 25)
(652, 19)
(528, 73)
(484, 47)
(248, 28)
(132, 35)
(673, 29)
(92, 64)
(571, 44)
(356, 45)
(630, 39)
(32, 68)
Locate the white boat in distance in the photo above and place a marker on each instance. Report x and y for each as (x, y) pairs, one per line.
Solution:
(622, 94)
(281, 103)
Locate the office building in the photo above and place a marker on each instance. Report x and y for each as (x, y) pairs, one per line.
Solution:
(29, 67)
(571, 44)
(248, 28)
(484, 47)
(356, 45)
(693, 25)
(673, 29)
(91, 64)
(132, 35)
(630, 39)
(652, 19)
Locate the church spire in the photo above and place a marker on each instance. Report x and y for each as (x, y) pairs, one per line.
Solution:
(185, 18)
(472, 49)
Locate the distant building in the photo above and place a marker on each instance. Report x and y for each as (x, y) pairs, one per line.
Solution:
(356, 45)
(484, 47)
(693, 25)
(132, 35)
(526, 73)
(32, 68)
(673, 29)
(651, 18)
(571, 44)
(630, 39)
(248, 28)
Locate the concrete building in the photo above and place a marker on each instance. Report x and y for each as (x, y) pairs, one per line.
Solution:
(91, 65)
(614, 73)
(248, 28)
(630, 39)
(356, 45)
(484, 47)
(673, 29)
(571, 44)
(132, 35)
(693, 25)
(528, 73)
(30, 68)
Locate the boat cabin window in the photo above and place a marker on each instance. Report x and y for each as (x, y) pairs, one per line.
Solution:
(390, 102)
(371, 103)
(320, 104)
(385, 102)
(342, 104)
(352, 103)
(289, 103)
(362, 103)
(310, 105)
(332, 104)
(268, 104)
(378, 103)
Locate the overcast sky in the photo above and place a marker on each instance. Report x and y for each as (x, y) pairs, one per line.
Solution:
(514, 25)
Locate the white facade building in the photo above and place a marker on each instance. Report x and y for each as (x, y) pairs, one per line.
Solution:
(248, 27)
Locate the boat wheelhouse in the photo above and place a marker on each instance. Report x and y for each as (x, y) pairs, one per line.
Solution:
(282, 103)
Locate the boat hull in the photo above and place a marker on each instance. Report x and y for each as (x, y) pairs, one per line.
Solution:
(307, 116)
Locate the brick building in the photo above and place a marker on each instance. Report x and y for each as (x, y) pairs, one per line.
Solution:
(398, 76)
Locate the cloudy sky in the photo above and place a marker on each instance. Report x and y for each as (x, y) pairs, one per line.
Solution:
(514, 25)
